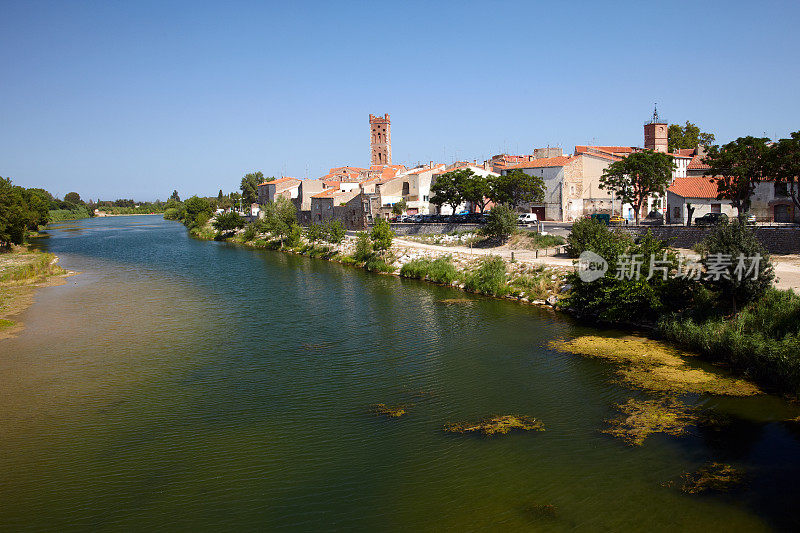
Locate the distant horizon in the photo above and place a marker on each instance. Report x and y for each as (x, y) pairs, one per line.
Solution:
(132, 101)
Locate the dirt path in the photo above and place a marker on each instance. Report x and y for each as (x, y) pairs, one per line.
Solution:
(787, 267)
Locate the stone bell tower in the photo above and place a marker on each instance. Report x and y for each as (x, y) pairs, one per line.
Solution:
(380, 129)
(655, 133)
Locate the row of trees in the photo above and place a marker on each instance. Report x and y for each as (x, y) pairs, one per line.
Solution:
(741, 164)
(514, 189)
(21, 210)
(737, 167)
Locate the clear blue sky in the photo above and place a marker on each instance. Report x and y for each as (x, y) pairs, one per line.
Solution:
(133, 99)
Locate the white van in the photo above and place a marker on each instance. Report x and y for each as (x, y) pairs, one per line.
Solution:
(527, 218)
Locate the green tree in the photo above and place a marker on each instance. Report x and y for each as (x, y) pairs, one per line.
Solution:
(737, 167)
(197, 212)
(501, 222)
(227, 222)
(249, 187)
(175, 196)
(736, 244)
(447, 190)
(381, 235)
(314, 232)
(363, 249)
(38, 201)
(516, 188)
(475, 189)
(280, 217)
(783, 164)
(220, 196)
(399, 207)
(688, 136)
(73, 198)
(14, 215)
(334, 231)
(638, 176)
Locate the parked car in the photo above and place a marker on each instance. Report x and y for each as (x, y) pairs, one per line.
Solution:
(710, 219)
(527, 218)
(653, 218)
(616, 220)
(476, 218)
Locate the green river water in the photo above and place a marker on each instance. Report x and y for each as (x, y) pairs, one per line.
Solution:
(180, 385)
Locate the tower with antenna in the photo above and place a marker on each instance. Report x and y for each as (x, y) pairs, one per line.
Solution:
(655, 133)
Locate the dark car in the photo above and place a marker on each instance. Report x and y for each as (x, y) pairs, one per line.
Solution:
(711, 219)
(653, 218)
(476, 218)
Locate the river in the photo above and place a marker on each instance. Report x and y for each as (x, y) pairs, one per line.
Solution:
(176, 384)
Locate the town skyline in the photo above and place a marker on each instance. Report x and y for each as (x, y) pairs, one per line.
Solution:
(155, 99)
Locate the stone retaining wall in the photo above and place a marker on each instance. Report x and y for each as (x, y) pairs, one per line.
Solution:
(776, 239)
(426, 229)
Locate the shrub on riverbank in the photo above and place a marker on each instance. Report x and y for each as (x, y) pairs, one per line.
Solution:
(762, 341)
(439, 270)
(489, 277)
(590, 234)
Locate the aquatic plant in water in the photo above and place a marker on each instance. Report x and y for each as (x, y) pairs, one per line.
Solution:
(654, 366)
(718, 477)
(642, 418)
(497, 425)
(381, 409)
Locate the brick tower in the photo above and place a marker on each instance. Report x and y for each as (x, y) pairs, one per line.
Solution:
(380, 129)
(655, 133)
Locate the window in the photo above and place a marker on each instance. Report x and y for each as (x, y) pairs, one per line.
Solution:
(781, 190)
(716, 208)
(406, 188)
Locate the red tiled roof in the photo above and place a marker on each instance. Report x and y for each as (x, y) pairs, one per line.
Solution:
(279, 180)
(697, 164)
(694, 187)
(688, 152)
(328, 193)
(611, 149)
(559, 161)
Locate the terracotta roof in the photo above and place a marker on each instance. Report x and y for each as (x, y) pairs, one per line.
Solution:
(559, 161)
(697, 164)
(279, 180)
(328, 193)
(611, 149)
(688, 152)
(694, 187)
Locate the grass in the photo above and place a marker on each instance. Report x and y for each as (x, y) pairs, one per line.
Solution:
(762, 341)
(5, 323)
(534, 241)
(497, 425)
(439, 270)
(651, 365)
(59, 215)
(534, 284)
(31, 267)
(489, 277)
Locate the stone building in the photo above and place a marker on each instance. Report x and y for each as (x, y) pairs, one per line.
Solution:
(656, 132)
(269, 191)
(380, 140)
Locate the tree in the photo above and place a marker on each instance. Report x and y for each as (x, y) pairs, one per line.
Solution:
(638, 176)
(399, 207)
(13, 214)
(314, 232)
(249, 187)
(728, 244)
(688, 136)
(447, 190)
(475, 189)
(516, 188)
(280, 217)
(197, 212)
(381, 235)
(334, 231)
(227, 222)
(737, 167)
(73, 198)
(501, 222)
(220, 196)
(784, 165)
(175, 196)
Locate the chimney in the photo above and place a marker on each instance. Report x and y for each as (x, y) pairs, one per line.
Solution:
(475, 162)
(430, 165)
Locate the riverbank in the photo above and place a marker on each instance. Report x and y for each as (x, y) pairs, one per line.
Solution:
(22, 271)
